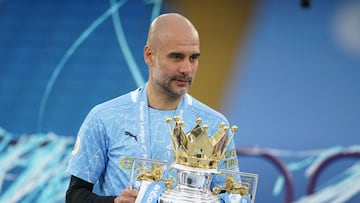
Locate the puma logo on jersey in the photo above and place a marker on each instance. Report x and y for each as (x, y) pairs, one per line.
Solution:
(131, 135)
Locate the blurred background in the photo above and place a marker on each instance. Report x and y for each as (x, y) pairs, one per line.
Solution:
(286, 72)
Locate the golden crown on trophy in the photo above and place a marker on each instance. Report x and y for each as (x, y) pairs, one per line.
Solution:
(196, 148)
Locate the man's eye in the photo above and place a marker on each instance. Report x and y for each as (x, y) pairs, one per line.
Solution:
(176, 56)
(194, 57)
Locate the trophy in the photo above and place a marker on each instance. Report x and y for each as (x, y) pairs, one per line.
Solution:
(196, 160)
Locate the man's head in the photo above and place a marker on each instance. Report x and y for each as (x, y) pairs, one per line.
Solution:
(171, 52)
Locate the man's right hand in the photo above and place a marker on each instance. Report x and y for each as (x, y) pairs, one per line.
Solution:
(127, 196)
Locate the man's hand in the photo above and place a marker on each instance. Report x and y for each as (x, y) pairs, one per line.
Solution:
(127, 196)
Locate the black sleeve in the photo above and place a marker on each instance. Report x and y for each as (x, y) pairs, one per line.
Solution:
(81, 191)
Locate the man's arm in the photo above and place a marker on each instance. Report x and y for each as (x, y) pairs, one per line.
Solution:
(81, 191)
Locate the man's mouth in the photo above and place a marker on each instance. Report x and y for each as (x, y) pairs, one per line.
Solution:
(182, 81)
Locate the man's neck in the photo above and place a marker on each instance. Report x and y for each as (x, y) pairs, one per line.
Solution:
(162, 101)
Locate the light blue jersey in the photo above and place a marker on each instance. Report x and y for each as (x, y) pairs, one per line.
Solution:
(125, 127)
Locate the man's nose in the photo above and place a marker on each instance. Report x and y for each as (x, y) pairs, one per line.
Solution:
(186, 67)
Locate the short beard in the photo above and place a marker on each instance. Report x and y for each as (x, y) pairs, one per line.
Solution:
(165, 85)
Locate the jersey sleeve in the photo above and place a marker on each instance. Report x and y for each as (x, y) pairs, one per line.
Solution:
(88, 158)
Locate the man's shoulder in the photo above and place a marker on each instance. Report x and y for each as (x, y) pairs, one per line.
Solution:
(118, 103)
(204, 109)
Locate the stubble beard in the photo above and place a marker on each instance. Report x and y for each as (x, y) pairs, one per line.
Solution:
(177, 91)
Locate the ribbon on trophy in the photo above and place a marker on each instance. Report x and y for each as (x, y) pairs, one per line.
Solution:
(233, 198)
(150, 191)
(149, 180)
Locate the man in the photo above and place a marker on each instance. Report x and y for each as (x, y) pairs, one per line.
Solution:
(134, 124)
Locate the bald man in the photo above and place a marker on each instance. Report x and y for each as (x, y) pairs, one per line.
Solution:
(133, 125)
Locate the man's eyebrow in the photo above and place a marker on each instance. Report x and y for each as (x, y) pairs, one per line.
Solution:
(176, 53)
(197, 55)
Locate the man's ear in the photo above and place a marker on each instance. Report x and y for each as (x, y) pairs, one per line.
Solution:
(148, 53)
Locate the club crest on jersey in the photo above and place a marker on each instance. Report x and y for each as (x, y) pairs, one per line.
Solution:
(76, 146)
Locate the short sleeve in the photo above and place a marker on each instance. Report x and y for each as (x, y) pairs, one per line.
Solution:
(88, 158)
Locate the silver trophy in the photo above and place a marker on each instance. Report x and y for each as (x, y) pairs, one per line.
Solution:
(197, 157)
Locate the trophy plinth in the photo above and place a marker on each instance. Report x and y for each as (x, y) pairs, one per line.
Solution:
(193, 185)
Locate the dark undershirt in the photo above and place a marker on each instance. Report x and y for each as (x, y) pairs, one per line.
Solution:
(81, 191)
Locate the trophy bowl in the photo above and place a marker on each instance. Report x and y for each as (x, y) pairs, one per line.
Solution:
(192, 185)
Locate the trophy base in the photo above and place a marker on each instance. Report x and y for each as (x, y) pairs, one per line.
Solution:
(192, 186)
(185, 194)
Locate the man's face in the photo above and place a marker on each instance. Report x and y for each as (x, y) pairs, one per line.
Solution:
(175, 66)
